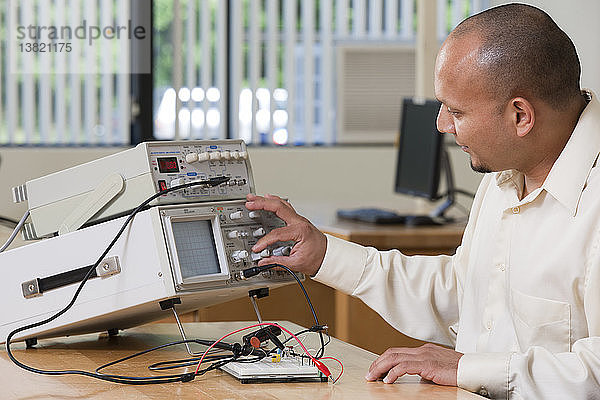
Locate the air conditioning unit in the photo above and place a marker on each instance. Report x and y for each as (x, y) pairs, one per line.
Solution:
(371, 82)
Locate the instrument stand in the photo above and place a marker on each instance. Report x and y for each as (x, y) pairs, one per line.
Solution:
(170, 304)
(257, 294)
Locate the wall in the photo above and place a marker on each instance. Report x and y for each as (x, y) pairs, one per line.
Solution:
(315, 179)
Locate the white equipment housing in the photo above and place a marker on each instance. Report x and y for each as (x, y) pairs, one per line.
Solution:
(189, 252)
(111, 186)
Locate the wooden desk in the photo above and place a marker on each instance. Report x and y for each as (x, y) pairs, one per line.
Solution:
(89, 351)
(354, 321)
(348, 318)
(431, 240)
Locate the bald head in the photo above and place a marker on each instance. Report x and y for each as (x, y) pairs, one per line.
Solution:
(520, 51)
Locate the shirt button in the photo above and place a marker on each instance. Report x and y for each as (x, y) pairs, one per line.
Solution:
(502, 267)
(516, 210)
(488, 325)
(484, 392)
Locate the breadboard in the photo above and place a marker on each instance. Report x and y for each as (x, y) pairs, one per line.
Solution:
(289, 369)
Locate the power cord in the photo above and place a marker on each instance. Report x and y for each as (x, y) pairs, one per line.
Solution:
(111, 378)
(15, 231)
(221, 359)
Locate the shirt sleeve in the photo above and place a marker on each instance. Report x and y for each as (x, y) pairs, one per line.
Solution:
(534, 374)
(418, 295)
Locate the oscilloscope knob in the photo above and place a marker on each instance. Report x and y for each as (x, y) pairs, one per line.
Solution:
(236, 215)
(265, 253)
(259, 232)
(254, 214)
(282, 251)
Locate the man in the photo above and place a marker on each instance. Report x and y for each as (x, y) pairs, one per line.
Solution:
(520, 300)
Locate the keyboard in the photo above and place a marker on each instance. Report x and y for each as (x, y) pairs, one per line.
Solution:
(385, 217)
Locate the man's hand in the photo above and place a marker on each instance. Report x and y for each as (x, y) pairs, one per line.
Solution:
(434, 363)
(309, 250)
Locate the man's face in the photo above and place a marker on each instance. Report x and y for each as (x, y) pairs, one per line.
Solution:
(479, 122)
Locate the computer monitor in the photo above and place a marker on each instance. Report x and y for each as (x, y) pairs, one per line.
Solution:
(421, 155)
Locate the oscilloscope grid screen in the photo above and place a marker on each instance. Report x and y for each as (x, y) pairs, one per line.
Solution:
(196, 250)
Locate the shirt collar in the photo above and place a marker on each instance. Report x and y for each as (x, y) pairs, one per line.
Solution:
(570, 171)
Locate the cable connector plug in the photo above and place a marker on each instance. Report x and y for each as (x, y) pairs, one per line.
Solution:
(250, 272)
(190, 376)
(318, 328)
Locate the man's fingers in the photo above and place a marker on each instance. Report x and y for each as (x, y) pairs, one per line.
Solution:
(406, 367)
(392, 353)
(394, 366)
(383, 364)
(283, 234)
(432, 362)
(281, 208)
(310, 244)
(275, 260)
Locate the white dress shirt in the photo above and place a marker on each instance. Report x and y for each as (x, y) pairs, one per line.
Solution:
(521, 296)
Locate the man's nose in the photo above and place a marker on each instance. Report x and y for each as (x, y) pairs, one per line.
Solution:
(444, 122)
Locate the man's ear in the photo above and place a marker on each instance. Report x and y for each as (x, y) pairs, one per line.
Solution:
(523, 115)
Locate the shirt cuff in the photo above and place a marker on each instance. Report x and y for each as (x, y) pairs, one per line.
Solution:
(485, 373)
(343, 264)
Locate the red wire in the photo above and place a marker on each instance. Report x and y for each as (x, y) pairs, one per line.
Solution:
(341, 365)
(319, 364)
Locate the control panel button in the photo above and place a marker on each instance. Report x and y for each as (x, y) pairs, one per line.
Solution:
(215, 156)
(204, 156)
(239, 255)
(244, 155)
(254, 214)
(162, 185)
(237, 234)
(259, 232)
(177, 182)
(236, 215)
(226, 155)
(191, 158)
(282, 251)
(235, 155)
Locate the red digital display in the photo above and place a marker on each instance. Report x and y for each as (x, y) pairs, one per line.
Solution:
(168, 164)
